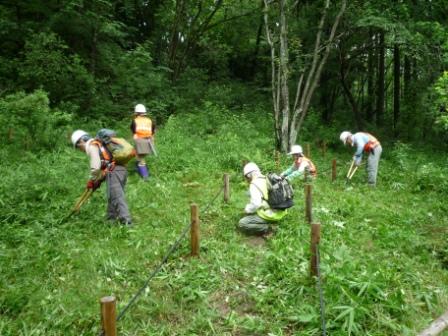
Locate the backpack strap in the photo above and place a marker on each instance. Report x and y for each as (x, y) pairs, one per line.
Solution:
(107, 161)
(261, 192)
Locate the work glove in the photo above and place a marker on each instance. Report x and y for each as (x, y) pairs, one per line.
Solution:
(94, 185)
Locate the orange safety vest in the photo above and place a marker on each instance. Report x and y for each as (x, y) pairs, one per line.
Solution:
(107, 162)
(371, 144)
(312, 167)
(143, 127)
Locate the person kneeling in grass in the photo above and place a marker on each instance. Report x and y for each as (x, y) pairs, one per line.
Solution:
(302, 166)
(258, 214)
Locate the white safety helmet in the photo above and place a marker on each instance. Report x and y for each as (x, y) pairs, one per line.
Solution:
(344, 136)
(140, 109)
(250, 168)
(296, 149)
(77, 135)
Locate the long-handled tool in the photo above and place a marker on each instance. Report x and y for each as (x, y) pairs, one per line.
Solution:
(351, 172)
(153, 148)
(82, 199)
(347, 178)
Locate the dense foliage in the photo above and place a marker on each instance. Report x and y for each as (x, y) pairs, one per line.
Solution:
(97, 59)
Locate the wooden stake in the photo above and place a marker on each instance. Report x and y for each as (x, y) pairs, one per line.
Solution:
(108, 315)
(308, 150)
(324, 148)
(315, 239)
(194, 231)
(308, 203)
(333, 170)
(226, 188)
(437, 326)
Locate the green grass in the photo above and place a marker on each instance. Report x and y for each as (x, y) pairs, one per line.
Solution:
(384, 251)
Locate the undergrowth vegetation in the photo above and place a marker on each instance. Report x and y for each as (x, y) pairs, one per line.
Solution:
(384, 254)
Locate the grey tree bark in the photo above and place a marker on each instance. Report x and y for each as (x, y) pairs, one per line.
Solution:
(288, 121)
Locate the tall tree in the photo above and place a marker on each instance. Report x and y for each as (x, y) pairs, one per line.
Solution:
(288, 119)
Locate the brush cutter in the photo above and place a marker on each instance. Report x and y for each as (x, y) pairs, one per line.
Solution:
(84, 197)
(351, 172)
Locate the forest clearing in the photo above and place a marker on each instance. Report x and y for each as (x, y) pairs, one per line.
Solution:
(207, 97)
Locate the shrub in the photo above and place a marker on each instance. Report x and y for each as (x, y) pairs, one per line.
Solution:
(27, 120)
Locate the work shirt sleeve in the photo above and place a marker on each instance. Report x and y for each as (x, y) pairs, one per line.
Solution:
(95, 163)
(288, 171)
(294, 172)
(359, 143)
(256, 199)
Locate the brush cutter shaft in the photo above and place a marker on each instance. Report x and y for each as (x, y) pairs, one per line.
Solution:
(353, 172)
(351, 167)
(84, 197)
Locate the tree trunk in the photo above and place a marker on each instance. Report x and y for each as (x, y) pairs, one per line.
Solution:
(349, 94)
(370, 85)
(287, 124)
(396, 89)
(380, 83)
(254, 65)
(284, 74)
(175, 31)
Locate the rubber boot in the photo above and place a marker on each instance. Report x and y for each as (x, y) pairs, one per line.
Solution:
(143, 171)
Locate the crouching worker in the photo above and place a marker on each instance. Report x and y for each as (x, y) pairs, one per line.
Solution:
(259, 215)
(143, 129)
(302, 166)
(103, 167)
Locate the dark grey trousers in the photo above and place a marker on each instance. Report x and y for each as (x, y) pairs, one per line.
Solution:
(117, 208)
(372, 164)
(253, 225)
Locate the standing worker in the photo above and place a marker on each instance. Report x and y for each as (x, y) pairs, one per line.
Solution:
(103, 167)
(300, 166)
(258, 214)
(364, 142)
(143, 129)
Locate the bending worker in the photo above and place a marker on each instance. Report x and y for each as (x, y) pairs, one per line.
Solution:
(143, 129)
(364, 142)
(102, 167)
(258, 215)
(300, 166)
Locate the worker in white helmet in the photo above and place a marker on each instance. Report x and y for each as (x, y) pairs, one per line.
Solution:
(103, 167)
(258, 215)
(364, 143)
(302, 165)
(143, 129)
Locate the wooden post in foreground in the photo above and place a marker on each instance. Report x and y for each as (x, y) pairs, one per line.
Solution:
(315, 239)
(333, 170)
(194, 230)
(108, 315)
(308, 203)
(308, 150)
(436, 326)
(226, 188)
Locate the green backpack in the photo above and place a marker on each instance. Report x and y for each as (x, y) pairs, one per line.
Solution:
(121, 150)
